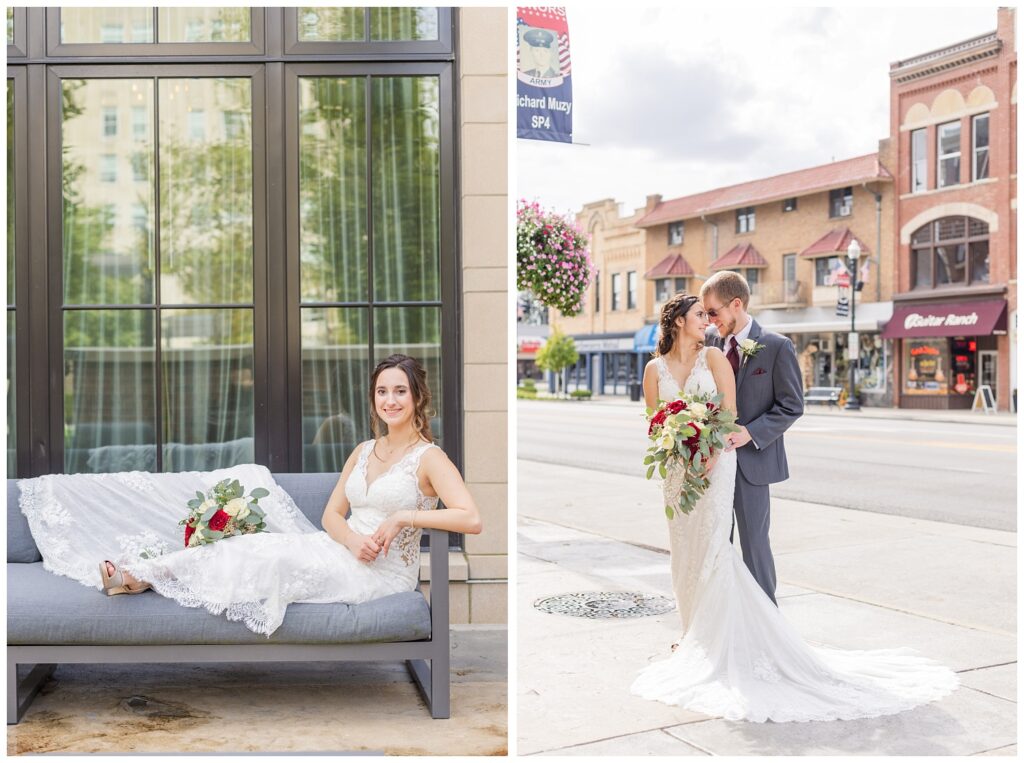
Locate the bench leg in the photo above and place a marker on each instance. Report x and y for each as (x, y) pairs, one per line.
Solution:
(434, 682)
(20, 696)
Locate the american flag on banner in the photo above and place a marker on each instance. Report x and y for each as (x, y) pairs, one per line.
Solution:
(544, 74)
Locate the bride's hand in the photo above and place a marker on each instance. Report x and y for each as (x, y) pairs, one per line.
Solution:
(712, 462)
(389, 529)
(363, 548)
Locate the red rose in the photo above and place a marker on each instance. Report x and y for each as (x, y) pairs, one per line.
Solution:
(189, 529)
(693, 441)
(656, 421)
(219, 520)
(676, 406)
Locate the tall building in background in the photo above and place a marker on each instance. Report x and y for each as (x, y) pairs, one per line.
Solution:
(954, 133)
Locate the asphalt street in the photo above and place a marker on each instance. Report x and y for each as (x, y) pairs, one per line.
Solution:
(947, 472)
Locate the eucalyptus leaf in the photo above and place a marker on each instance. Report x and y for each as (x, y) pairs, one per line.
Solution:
(662, 470)
(649, 460)
(650, 471)
(200, 496)
(215, 535)
(209, 513)
(668, 512)
(260, 492)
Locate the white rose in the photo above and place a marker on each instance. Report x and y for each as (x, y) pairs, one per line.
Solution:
(206, 505)
(749, 346)
(234, 506)
(244, 512)
(698, 410)
(667, 441)
(194, 540)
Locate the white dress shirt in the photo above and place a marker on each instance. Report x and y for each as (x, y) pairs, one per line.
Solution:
(740, 335)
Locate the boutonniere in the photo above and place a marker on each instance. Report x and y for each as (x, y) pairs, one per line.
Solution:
(749, 348)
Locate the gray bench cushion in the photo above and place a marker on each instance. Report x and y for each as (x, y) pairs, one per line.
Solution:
(20, 546)
(43, 608)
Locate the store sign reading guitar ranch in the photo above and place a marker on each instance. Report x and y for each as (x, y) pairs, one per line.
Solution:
(917, 321)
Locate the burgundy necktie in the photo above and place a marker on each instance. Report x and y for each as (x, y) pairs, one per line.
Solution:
(733, 356)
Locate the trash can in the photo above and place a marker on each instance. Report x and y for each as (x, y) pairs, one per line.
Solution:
(635, 389)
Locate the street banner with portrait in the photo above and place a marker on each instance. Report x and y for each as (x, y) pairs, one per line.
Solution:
(544, 72)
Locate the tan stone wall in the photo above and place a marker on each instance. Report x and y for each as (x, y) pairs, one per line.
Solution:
(482, 66)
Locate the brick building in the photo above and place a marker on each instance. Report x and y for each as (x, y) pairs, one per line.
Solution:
(954, 136)
(787, 234)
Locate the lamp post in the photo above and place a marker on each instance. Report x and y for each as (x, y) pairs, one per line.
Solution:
(853, 341)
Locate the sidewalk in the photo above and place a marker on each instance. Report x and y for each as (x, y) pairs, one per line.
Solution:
(955, 417)
(316, 707)
(848, 579)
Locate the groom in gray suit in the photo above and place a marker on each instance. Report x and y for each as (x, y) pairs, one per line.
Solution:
(769, 398)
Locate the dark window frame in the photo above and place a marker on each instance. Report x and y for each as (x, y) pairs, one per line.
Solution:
(837, 203)
(277, 442)
(257, 44)
(958, 154)
(790, 204)
(366, 48)
(966, 240)
(975, 149)
(746, 219)
(19, 47)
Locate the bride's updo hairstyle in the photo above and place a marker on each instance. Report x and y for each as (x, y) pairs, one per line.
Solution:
(676, 307)
(417, 377)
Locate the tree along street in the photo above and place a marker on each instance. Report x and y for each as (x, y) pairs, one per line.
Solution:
(948, 472)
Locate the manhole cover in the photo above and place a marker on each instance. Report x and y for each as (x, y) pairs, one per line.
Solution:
(606, 604)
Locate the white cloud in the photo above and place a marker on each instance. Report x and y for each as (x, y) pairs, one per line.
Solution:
(675, 101)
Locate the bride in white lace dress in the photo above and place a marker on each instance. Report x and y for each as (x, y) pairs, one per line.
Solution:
(391, 484)
(738, 658)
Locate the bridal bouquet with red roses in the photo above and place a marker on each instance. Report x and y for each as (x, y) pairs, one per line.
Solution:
(223, 512)
(684, 434)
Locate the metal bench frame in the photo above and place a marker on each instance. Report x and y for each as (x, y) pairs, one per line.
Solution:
(428, 661)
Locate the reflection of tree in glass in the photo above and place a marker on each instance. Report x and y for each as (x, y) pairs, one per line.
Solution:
(332, 189)
(10, 190)
(406, 185)
(90, 278)
(206, 192)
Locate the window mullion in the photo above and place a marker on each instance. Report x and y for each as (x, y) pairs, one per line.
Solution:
(157, 319)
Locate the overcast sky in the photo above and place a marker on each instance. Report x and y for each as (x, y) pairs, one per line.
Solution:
(673, 100)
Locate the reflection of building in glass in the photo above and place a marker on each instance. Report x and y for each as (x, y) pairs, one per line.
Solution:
(238, 241)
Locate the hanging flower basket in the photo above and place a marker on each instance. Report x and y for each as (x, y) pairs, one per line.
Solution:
(552, 258)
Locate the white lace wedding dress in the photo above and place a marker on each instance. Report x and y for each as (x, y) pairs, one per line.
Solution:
(251, 578)
(739, 658)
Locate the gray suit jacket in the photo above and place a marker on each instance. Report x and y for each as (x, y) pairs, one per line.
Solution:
(769, 398)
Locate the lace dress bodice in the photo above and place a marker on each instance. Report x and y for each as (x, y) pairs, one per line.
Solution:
(700, 381)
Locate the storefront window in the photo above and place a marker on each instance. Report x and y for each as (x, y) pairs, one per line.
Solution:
(965, 375)
(939, 253)
(927, 367)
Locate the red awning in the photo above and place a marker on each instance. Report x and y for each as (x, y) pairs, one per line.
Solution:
(741, 255)
(958, 319)
(834, 243)
(673, 265)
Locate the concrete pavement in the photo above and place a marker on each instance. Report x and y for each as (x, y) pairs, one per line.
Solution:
(312, 707)
(849, 579)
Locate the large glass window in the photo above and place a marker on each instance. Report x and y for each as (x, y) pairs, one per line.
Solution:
(365, 296)
(631, 290)
(106, 25)
(675, 233)
(918, 161)
(136, 25)
(318, 24)
(979, 147)
(926, 367)
(204, 25)
(948, 154)
(155, 387)
(616, 291)
(951, 251)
